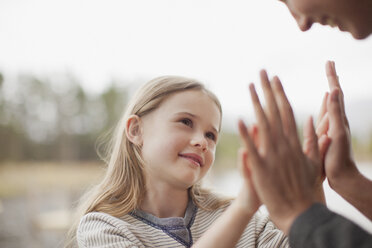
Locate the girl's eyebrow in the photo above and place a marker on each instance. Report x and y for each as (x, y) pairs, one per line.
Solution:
(196, 117)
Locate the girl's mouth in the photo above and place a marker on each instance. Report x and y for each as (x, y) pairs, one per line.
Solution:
(194, 158)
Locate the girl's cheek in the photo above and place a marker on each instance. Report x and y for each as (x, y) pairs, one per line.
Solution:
(212, 147)
(213, 153)
(176, 140)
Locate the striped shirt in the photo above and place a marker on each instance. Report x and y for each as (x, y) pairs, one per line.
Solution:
(140, 229)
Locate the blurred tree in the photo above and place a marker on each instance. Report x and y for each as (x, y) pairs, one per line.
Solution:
(54, 119)
(114, 100)
(227, 147)
(370, 144)
(1, 79)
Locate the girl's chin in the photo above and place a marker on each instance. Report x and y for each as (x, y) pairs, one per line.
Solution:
(188, 181)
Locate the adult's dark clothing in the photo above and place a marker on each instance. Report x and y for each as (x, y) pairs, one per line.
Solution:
(318, 227)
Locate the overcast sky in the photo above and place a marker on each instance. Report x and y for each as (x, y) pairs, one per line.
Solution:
(222, 43)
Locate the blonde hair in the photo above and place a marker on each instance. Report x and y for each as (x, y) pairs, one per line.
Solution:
(123, 186)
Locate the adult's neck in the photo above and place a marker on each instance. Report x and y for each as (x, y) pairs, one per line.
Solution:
(163, 200)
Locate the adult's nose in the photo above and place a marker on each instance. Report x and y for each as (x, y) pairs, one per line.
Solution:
(303, 21)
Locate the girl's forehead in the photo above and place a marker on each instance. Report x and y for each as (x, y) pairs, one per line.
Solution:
(190, 98)
(197, 102)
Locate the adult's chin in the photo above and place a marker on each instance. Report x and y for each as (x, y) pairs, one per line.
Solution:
(360, 33)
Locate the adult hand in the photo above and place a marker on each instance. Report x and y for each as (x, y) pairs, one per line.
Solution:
(339, 162)
(340, 168)
(283, 176)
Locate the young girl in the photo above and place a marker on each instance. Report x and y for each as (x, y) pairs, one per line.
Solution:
(151, 195)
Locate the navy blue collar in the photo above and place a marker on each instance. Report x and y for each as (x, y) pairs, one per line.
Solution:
(176, 227)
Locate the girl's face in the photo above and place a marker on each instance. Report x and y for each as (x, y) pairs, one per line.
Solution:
(179, 139)
(347, 15)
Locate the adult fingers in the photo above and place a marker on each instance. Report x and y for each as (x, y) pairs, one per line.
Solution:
(272, 110)
(337, 122)
(323, 109)
(286, 113)
(334, 82)
(332, 77)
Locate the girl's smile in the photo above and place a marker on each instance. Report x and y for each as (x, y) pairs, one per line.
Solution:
(179, 139)
(193, 158)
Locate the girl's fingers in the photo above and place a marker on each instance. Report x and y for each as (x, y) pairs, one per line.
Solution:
(248, 143)
(253, 132)
(242, 155)
(286, 113)
(323, 109)
(323, 144)
(271, 105)
(311, 141)
(245, 164)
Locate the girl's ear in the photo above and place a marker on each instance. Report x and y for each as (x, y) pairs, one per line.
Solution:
(133, 130)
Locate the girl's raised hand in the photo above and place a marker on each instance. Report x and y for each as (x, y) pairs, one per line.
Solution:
(283, 176)
(322, 122)
(322, 127)
(248, 197)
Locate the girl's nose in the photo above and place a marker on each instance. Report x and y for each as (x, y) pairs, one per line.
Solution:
(200, 141)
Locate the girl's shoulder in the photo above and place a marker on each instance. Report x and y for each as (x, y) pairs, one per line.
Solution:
(211, 201)
(98, 228)
(99, 221)
(104, 218)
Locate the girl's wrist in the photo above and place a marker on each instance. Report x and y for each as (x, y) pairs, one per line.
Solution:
(244, 215)
(244, 205)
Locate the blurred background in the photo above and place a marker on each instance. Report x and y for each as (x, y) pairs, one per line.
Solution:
(67, 69)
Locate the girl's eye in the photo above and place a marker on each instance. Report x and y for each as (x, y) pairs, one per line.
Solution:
(211, 136)
(187, 122)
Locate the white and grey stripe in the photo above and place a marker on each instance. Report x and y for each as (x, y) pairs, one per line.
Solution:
(102, 230)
